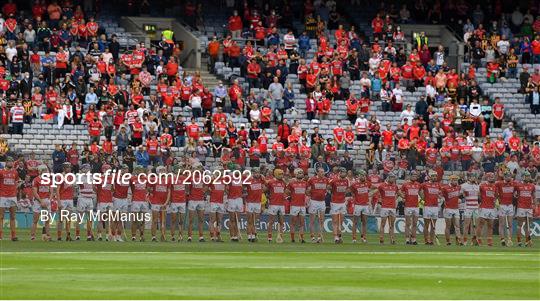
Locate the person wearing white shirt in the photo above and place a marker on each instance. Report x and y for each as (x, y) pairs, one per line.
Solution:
(503, 45)
(365, 81)
(475, 109)
(11, 51)
(289, 41)
(361, 125)
(195, 102)
(374, 62)
(407, 116)
(255, 113)
(398, 95)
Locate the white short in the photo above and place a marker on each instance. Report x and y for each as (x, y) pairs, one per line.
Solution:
(315, 207)
(298, 210)
(431, 212)
(36, 206)
(361, 209)
(104, 206)
(450, 213)
(139, 206)
(8, 202)
(235, 205)
(469, 212)
(157, 207)
(66, 205)
(386, 212)
(275, 209)
(522, 212)
(85, 204)
(121, 205)
(216, 208)
(487, 213)
(177, 208)
(253, 207)
(337, 208)
(196, 205)
(412, 211)
(506, 210)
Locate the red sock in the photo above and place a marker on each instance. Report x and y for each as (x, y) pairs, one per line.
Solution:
(292, 236)
(77, 231)
(13, 235)
(301, 236)
(269, 235)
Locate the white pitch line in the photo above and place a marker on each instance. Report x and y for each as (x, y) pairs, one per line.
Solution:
(279, 252)
(317, 267)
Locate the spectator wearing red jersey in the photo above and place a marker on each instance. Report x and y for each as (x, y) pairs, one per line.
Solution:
(235, 25)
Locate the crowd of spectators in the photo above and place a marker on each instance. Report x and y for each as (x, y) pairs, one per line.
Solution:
(57, 64)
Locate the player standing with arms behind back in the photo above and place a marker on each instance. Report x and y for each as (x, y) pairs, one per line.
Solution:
(276, 207)
(430, 191)
(297, 191)
(505, 194)
(451, 195)
(338, 207)
(487, 213)
(42, 201)
(177, 208)
(388, 192)
(9, 178)
(86, 202)
(361, 191)
(317, 206)
(160, 197)
(409, 192)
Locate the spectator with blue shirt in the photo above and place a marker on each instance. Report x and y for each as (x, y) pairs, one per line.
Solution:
(303, 44)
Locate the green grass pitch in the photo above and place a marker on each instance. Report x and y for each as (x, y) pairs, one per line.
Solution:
(134, 270)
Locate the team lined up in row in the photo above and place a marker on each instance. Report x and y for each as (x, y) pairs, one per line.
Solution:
(277, 195)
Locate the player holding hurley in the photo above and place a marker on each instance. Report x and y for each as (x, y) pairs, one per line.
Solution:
(451, 195)
(505, 195)
(139, 201)
(360, 190)
(297, 191)
(253, 203)
(42, 201)
(430, 191)
(316, 191)
(487, 213)
(525, 194)
(409, 192)
(338, 188)
(388, 192)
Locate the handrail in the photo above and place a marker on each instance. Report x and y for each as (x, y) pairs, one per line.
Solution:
(190, 53)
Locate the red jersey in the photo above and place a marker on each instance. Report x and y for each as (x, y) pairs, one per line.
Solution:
(159, 193)
(121, 190)
(104, 192)
(43, 191)
(451, 196)
(8, 184)
(234, 190)
(139, 190)
(410, 191)
(505, 192)
(178, 190)
(317, 188)
(196, 191)
(277, 192)
(388, 193)
(525, 193)
(297, 190)
(360, 192)
(66, 191)
(217, 193)
(487, 195)
(432, 191)
(339, 188)
(254, 191)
